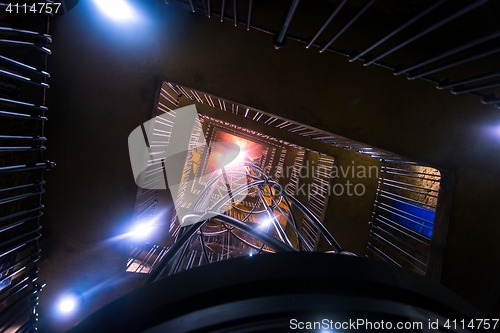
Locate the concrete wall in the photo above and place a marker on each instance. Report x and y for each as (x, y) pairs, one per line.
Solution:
(347, 213)
(104, 77)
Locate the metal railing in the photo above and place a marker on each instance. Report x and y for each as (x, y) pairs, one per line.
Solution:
(23, 76)
(423, 23)
(403, 218)
(145, 257)
(268, 225)
(317, 196)
(399, 232)
(252, 114)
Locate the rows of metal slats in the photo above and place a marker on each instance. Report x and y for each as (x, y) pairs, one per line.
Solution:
(392, 238)
(260, 116)
(403, 216)
(143, 256)
(281, 162)
(24, 42)
(435, 41)
(254, 115)
(317, 195)
(295, 174)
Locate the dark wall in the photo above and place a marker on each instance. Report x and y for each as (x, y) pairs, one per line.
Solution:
(104, 77)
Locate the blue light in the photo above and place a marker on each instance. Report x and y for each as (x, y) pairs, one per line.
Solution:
(492, 132)
(497, 130)
(116, 9)
(142, 230)
(68, 304)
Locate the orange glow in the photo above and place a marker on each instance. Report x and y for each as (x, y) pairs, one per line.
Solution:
(248, 150)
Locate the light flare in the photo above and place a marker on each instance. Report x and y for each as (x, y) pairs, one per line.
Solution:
(68, 304)
(116, 9)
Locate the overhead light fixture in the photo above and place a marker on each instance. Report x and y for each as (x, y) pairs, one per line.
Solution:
(118, 10)
(68, 304)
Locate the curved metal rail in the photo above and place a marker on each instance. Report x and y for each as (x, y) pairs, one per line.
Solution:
(256, 216)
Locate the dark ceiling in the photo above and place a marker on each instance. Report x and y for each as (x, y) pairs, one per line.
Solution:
(452, 44)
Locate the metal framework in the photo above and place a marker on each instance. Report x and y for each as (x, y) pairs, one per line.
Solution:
(427, 22)
(221, 227)
(397, 235)
(402, 223)
(23, 76)
(148, 258)
(171, 92)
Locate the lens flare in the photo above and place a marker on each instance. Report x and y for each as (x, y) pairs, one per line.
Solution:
(141, 230)
(115, 9)
(68, 304)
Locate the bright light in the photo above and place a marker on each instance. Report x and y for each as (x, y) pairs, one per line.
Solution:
(497, 131)
(141, 230)
(250, 255)
(68, 304)
(115, 9)
(238, 161)
(265, 223)
(242, 156)
(492, 131)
